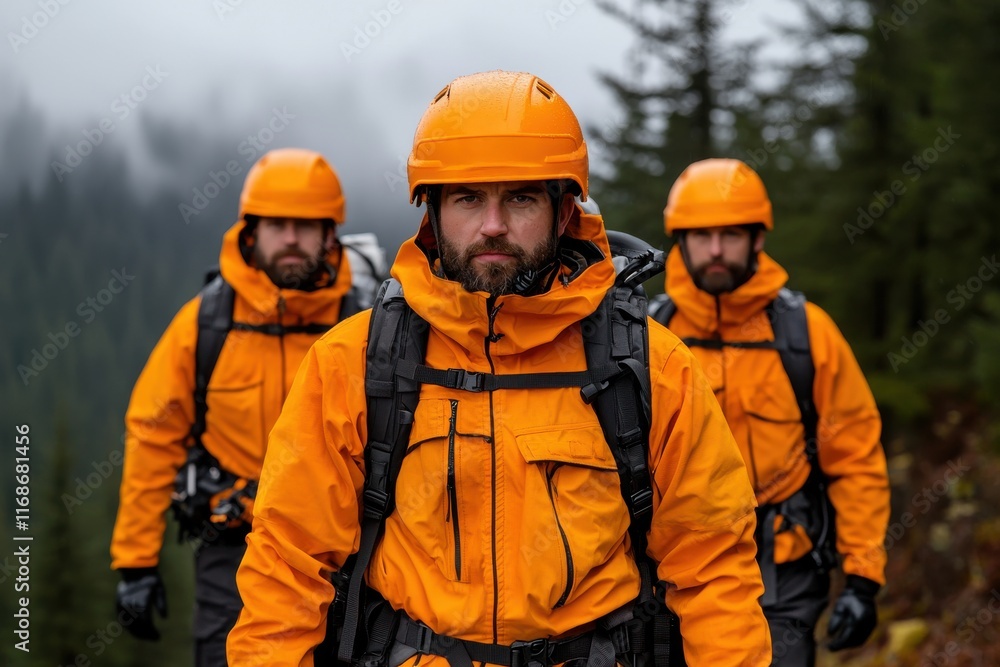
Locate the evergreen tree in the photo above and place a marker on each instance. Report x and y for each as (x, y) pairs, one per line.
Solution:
(687, 98)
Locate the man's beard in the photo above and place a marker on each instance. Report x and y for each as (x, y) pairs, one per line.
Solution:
(495, 278)
(716, 283)
(291, 276)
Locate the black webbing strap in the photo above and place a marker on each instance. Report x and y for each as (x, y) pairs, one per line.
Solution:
(615, 335)
(463, 653)
(789, 323)
(396, 334)
(718, 343)
(215, 318)
(457, 378)
(765, 554)
(275, 329)
(350, 305)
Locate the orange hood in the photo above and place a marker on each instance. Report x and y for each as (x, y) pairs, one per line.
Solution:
(734, 308)
(528, 322)
(256, 288)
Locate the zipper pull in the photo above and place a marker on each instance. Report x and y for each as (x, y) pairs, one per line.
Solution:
(492, 309)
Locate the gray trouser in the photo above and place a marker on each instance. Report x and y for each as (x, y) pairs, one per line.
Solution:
(217, 601)
(803, 594)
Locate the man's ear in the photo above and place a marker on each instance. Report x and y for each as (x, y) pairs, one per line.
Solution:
(566, 207)
(330, 242)
(758, 242)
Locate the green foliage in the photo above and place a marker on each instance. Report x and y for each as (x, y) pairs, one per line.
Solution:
(879, 151)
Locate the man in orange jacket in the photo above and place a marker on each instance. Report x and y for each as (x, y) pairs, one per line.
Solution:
(510, 534)
(795, 399)
(284, 281)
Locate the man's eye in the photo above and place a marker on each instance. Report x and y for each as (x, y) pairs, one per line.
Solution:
(522, 199)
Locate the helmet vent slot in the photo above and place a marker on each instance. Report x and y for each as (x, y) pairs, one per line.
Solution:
(544, 89)
(444, 92)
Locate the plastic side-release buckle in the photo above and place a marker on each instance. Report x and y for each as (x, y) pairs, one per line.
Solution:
(535, 653)
(459, 378)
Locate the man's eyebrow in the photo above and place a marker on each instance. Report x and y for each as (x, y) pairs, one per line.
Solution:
(526, 190)
(464, 190)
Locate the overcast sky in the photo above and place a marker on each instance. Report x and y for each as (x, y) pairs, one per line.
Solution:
(354, 77)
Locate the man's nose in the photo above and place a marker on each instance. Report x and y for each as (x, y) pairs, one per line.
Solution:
(494, 220)
(715, 245)
(290, 233)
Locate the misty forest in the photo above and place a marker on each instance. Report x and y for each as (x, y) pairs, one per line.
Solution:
(881, 154)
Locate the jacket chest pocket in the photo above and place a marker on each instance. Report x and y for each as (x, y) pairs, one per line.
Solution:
(573, 515)
(432, 489)
(234, 423)
(775, 440)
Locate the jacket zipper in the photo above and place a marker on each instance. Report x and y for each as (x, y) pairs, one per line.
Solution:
(491, 312)
(562, 534)
(452, 491)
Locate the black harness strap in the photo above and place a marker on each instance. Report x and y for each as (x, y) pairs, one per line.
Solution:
(396, 334)
(215, 319)
(457, 378)
(274, 329)
(463, 653)
(616, 382)
(789, 323)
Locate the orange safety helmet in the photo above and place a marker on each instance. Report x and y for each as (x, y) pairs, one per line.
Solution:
(497, 126)
(717, 193)
(292, 183)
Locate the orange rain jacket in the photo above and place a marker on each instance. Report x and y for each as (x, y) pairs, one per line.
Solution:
(528, 464)
(757, 399)
(250, 381)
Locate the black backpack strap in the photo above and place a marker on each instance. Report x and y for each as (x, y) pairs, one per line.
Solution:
(396, 334)
(350, 305)
(791, 334)
(787, 314)
(617, 334)
(662, 309)
(215, 320)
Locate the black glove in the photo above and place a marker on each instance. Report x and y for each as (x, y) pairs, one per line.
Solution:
(139, 591)
(854, 616)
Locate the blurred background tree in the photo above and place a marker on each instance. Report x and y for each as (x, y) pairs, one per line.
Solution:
(878, 146)
(879, 93)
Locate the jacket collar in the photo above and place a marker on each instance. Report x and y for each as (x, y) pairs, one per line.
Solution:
(521, 322)
(256, 288)
(710, 313)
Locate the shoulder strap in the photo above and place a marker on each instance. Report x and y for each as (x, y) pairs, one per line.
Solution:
(616, 334)
(662, 309)
(350, 305)
(396, 335)
(215, 320)
(787, 314)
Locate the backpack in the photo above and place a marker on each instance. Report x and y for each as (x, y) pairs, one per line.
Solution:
(201, 477)
(810, 506)
(362, 628)
(368, 265)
